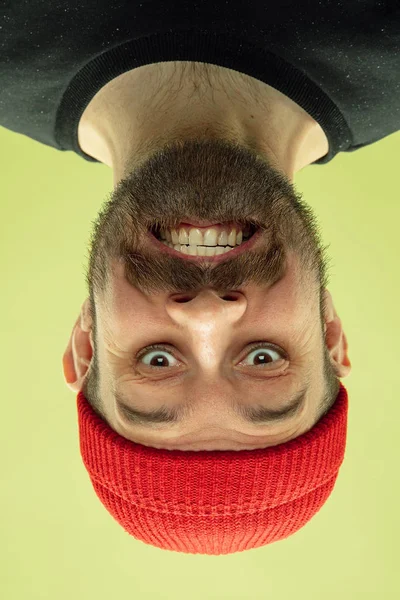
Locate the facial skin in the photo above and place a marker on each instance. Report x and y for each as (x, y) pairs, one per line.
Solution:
(187, 140)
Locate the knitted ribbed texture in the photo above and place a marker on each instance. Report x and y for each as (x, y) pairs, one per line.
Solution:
(213, 502)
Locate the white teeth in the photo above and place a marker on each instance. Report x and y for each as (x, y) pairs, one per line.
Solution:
(181, 238)
(198, 250)
(174, 235)
(223, 239)
(209, 238)
(195, 237)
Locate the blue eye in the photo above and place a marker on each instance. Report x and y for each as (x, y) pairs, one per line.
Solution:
(157, 359)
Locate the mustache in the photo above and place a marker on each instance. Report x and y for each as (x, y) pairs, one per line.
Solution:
(155, 273)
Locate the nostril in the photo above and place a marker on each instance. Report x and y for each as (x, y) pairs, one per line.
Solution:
(181, 299)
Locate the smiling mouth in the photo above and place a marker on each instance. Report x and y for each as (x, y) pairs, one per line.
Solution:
(253, 233)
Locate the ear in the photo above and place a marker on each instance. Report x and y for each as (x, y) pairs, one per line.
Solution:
(79, 352)
(335, 340)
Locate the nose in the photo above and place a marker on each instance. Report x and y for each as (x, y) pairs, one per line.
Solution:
(206, 309)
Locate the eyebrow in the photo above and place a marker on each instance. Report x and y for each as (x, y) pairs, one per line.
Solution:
(255, 415)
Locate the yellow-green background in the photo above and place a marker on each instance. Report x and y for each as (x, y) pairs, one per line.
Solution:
(57, 541)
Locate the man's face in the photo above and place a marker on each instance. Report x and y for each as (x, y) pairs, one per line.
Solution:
(208, 316)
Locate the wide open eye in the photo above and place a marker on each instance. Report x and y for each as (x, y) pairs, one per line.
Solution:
(264, 355)
(153, 355)
(262, 351)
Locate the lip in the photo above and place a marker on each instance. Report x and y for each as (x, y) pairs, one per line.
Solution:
(213, 259)
(206, 224)
(198, 223)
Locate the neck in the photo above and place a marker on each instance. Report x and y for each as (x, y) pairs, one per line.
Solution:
(145, 108)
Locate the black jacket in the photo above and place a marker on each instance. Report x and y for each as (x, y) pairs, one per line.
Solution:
(339, 60)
